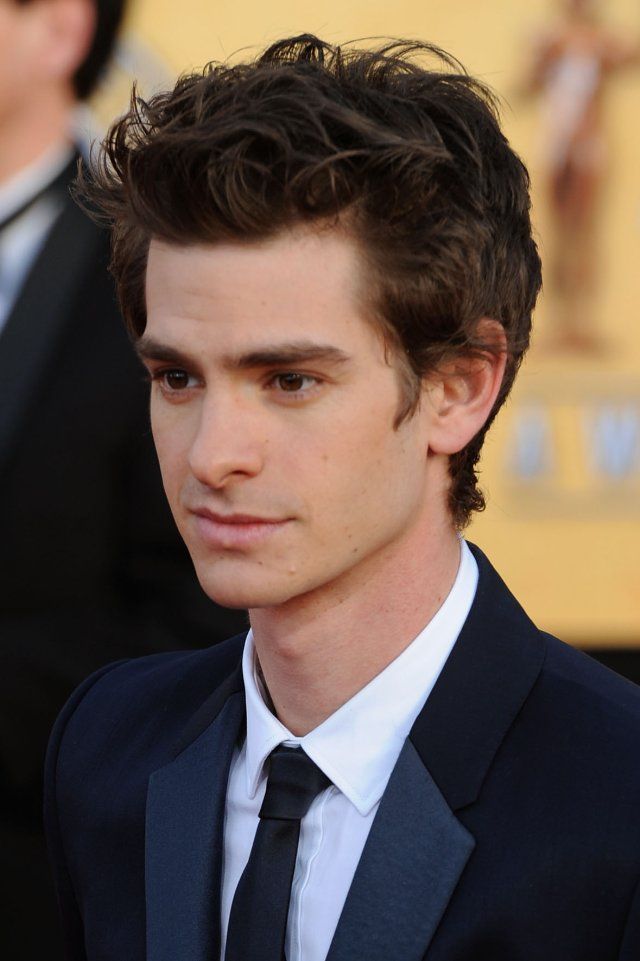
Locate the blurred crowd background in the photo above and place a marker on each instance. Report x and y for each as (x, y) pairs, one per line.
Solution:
(91, 567)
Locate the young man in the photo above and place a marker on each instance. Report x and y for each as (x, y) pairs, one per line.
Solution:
(326, 259)
(92, 566)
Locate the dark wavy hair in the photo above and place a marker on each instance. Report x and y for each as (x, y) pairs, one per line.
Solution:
(408, 155)
(109, 14)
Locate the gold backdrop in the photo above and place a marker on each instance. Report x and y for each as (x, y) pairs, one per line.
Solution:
(562, 464)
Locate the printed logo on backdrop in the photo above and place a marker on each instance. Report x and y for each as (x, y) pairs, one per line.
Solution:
(574, 447)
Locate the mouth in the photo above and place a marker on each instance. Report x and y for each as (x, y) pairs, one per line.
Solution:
(234, 531)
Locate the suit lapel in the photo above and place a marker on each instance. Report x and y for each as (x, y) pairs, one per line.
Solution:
(184, 835)
(409, 868)
(487, 678)
(40, 315)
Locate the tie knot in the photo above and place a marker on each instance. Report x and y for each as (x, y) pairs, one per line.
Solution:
(294, 781)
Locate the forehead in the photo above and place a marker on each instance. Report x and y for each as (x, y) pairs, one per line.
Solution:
(297, 282)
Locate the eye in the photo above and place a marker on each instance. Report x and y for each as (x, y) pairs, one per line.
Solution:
(174, 380)
(291, 382)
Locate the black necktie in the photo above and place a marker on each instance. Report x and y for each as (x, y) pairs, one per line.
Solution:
(258, 919)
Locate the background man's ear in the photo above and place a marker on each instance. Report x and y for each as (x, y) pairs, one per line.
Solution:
(67, 28)
(461, 393)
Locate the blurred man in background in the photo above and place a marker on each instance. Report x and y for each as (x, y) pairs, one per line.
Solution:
(92, 567)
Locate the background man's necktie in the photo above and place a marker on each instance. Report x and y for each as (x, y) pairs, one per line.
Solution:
(258, 920)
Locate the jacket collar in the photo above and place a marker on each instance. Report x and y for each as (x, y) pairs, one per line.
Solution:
(209, 710)
(488, 676)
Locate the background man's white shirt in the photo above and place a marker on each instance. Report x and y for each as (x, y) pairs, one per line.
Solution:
(357, 748)
(22, 240)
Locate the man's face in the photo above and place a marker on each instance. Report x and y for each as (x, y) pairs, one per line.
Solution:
(273, 408)
(22, 29)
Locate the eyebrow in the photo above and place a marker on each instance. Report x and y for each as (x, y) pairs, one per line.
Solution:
(287, 354)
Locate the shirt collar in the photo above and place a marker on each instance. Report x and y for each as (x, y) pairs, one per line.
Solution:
(28, 181)
(358, 745)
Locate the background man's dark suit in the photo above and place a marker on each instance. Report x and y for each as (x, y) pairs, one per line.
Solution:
(92, 568)
(509, 830)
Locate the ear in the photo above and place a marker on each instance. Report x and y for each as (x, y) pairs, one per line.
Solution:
(67, 28)
(460, 395)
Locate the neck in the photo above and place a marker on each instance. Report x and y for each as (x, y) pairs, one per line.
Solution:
(316, 652)
(29, 133)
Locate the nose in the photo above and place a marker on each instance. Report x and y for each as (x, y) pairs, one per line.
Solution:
(227, 445)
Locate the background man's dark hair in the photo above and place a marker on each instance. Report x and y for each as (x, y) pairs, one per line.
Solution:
(410, 160)
(109, 14)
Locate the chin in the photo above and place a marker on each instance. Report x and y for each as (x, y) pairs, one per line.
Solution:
(243, 592)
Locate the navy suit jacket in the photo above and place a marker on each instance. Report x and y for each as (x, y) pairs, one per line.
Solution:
(509, 831)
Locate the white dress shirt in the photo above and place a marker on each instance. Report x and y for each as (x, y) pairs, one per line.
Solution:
(22, 240)
(357, 748)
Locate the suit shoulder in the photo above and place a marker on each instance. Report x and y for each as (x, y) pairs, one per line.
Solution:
(136, 693)
(159, 675)
(584, 679)
(584, 711)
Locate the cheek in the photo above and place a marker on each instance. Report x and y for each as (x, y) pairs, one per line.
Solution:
(172, 447)
(366, 473)
(388, 470)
